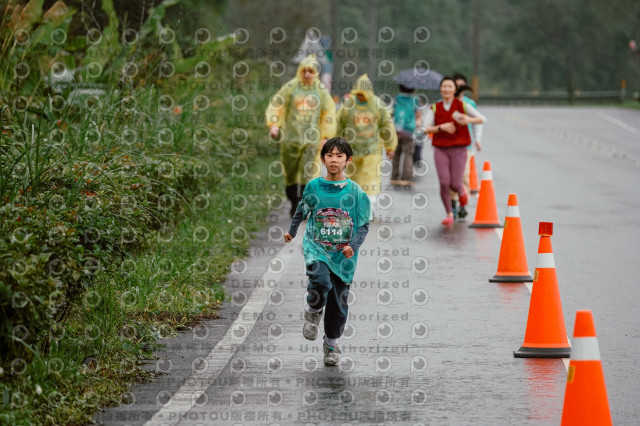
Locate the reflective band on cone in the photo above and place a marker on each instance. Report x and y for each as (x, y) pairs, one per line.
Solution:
(513, 211)
(487, 175)
(545, 260)
(585, 349)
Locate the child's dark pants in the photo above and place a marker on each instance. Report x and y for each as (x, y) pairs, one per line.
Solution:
(327, 290)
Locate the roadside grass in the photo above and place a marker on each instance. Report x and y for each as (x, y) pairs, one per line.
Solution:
(126, 194)
(119, 225)
(633, 104)
(94, 356)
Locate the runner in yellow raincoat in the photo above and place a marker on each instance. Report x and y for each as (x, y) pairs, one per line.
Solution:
(304, 115)
(366, 123)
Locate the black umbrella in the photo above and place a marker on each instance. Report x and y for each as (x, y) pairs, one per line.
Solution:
(419, 78)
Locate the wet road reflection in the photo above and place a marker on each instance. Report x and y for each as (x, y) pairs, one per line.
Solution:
(545, 382)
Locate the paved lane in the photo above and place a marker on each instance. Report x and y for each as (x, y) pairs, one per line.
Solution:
(572, 167)
(429, 339)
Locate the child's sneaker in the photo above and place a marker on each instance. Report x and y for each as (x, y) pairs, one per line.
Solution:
(454, 207)
(310, 328)
(331, 354)
(462, 213)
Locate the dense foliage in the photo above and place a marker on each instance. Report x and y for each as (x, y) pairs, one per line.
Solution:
(523, 45)
(122, 162)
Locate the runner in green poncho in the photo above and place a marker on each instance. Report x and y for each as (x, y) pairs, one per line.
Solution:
(303, 115)
(366, 123)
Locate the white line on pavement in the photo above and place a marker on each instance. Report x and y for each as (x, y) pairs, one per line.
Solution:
(187, 395)
(565, 361)
(617, 122)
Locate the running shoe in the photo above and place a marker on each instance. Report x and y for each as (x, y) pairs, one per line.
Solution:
(331, 354)
(462, 213)
(310, 327)
(447, 221)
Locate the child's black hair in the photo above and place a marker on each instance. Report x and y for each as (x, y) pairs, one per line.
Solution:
(339, 143)
(405, 89)
(458, 76)
(463, 89)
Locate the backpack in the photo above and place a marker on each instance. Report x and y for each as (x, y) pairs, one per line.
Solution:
(404, 117)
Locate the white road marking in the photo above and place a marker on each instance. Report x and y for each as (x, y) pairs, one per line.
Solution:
(617, 122)
(565, 361)
(591, 144)
(186, 396)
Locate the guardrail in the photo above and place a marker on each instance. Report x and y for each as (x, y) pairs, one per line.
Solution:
(545, 98)
(552, 98)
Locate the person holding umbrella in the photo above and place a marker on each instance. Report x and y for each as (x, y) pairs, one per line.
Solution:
(416, 78)
(447, 121)
(419, 78)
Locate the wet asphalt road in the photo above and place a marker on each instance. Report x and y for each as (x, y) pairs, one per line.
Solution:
(429, 339)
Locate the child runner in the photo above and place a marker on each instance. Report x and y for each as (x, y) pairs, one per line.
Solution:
(339, 214)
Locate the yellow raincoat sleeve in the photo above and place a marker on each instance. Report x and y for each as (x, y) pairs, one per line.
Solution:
(328, 121)
(343, 119)
(277, 108)
(387, 131)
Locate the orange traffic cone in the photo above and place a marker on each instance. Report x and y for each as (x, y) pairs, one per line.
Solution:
(486, 210)
(473, 175)
(585, 397)
(546, 335)
(512, 264)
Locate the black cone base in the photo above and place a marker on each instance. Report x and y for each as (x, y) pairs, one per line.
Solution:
(511, 279)
(486, 225)
(525, 352)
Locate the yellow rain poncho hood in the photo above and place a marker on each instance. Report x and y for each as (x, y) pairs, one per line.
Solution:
(309, 62)
(364, 87)
(369, 128)
(305, 115)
